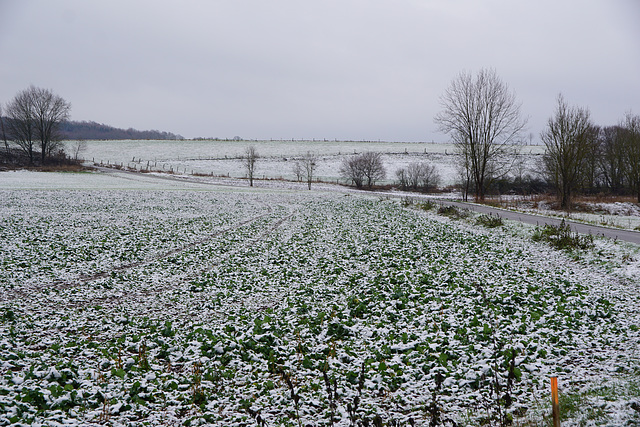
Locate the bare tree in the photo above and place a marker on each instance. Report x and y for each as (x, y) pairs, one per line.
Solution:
(418, 175)
(34, 117)
(21, 122)
(363, 168)
(426, 175)
(298, 170)
(3, 131)
(250, 157)
(415, 172)
(631, 141)
(483, 119)
(78, 148)
(352, 168)
(306, 167)
(568, 138)
(403, 178)
(373, 167)
(50, 111)
(611, 157)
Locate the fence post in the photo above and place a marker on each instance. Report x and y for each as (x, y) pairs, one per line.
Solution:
(555, 405)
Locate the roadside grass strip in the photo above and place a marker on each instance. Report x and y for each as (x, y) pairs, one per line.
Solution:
(323, 310)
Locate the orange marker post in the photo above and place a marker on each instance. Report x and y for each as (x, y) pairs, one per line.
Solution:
(555, 404)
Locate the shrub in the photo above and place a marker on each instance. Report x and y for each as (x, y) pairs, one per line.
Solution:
(418, 176)
(406, 201)
(452, 212)
(427, 206)
(561, 237)
(489, 221)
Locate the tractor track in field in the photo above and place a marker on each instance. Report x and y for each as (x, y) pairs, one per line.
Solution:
(144, 298)
(631, 236)
(90, 278)
(27, 291)
(171, 282)
(176, 282)
(35, 290)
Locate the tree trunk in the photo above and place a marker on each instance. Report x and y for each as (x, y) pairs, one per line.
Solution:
(565, 199)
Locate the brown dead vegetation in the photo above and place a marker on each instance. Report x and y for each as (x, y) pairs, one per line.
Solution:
(583, 203)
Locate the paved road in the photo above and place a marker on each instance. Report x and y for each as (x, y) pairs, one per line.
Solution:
(612, 233)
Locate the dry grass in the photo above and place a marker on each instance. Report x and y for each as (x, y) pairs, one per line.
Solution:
(584, 203)
(605, 198)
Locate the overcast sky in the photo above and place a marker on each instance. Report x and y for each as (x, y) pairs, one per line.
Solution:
(345, 69)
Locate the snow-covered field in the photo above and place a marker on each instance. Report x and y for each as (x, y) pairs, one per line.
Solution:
(222, 158)
(277, 159)
(139, 300)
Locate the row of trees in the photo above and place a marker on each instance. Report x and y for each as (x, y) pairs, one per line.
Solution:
(361, 170)
(31, 121)
(304, 167)
(583, 157)
(481, 115)
(367, 168)
(89, 130)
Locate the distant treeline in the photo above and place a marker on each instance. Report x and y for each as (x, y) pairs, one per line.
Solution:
(73, 130)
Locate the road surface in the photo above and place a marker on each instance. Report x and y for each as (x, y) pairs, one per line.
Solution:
(612, 233)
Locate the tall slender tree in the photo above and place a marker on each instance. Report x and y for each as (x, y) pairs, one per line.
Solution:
(309, 164)
(250, 158)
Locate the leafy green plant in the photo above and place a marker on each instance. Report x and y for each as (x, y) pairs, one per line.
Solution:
(167, 331)
(8, 315)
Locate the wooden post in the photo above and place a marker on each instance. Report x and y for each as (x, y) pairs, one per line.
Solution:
(555, 405)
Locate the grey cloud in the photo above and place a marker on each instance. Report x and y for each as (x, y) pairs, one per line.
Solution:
(336, 69)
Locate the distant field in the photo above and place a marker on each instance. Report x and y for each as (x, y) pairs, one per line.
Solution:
(133, 300)
(221, 157)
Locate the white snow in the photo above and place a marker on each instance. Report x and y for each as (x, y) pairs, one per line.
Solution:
(228, 287)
